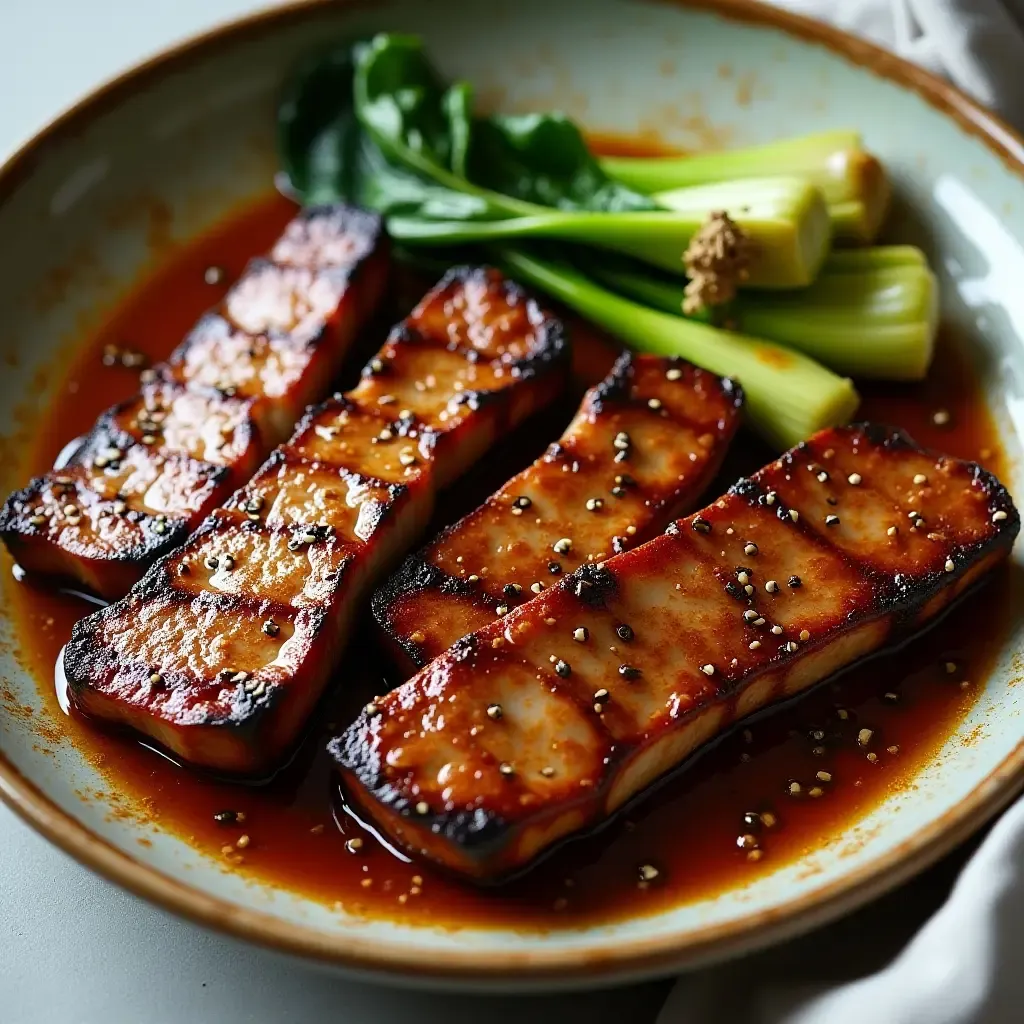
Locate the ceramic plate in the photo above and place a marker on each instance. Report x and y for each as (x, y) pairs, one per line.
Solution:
(166, 151)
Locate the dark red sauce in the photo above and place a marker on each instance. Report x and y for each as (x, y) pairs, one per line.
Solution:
(688, 828)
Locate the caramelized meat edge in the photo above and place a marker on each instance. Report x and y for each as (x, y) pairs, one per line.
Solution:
(640, 451)
(222, 650)
(543, 723)
(143, 479)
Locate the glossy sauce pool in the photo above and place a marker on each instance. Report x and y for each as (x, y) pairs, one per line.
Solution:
(689, 829)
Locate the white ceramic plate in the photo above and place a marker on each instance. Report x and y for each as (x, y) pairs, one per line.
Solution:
(183, 140)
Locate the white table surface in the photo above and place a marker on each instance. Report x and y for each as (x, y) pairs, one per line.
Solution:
(73, 948)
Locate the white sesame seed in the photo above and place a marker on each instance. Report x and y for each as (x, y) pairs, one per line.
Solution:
(854, 479)
(864, 737)
(950, 566)
(708, 670)
(920, 478)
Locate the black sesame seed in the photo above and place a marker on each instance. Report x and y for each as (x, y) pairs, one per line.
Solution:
(629, 672)
(554, 568)
(618, 492)
(795, 581)
(625, 632)
(701, 525)
(563, 669)
(522, 502)
(225, 817)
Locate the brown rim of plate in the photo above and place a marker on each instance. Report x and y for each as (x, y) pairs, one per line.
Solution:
(539, 968)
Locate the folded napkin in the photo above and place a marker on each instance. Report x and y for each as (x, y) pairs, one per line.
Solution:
(965, 964)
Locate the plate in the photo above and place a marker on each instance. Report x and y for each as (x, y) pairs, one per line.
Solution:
(90, 205)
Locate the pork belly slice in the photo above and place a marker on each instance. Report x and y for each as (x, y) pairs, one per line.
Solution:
(543, 723)
(640, 451)
(222, 650)
(154, 466)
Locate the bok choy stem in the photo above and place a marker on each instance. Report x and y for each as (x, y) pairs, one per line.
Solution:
(871, 313)
(789, 396)
(852, 180)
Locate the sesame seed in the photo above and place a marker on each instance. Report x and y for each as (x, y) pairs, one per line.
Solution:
(864, 737)
(700, 525)
(708, 670)
(815, 792)
(950, 566)
(654, 403)
(156, 679)
(950, 667)
(562, 547)
(37, 521)
(823, 776)
(831, 520)
(581, 634)
(522, 502)
(794, 788)
(271, 628)
(502, 609)
(417, 636)
(242, 842)
(772, 586)
(547, 771)
(494, 712)
(769, 498)
(794, 515)
(743, 576)
(940, 417)
(920, 478)
(423, 807)
(795, 581)
(892, 531)
(602, 696)
(805, 634)
(746, 841)
(506, 769)
(407, 458)
(749, 590)
(759, 621)
(160, 526)
(777, 630)
(998, 517)
(225, 817)
(624, 632)
(750, 549)
(673, 374)
(354, 845)
(790, 647)
(511, 590)
(537, 587)
(894, 749)
(594, 504)
(750, 615)
(629, 672)
(371, 709)
(822, 477)
(621, 441)
(648, 872)
(563, 669)
(854, 479)
(754, 645)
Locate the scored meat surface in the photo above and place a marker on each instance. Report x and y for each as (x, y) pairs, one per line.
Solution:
(544, 722)
(222, 650)
(640, 451)
(143, 479)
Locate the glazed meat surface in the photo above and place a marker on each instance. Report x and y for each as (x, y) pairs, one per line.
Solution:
(640, 451)
(543, 723)
(154, 466)
(222, 650)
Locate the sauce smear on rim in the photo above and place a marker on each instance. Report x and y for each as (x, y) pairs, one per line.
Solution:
(774, 789)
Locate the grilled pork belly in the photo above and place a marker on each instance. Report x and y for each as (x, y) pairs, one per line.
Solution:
(154, 466)
(224, 647)
(640, 451)
(546, 721)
